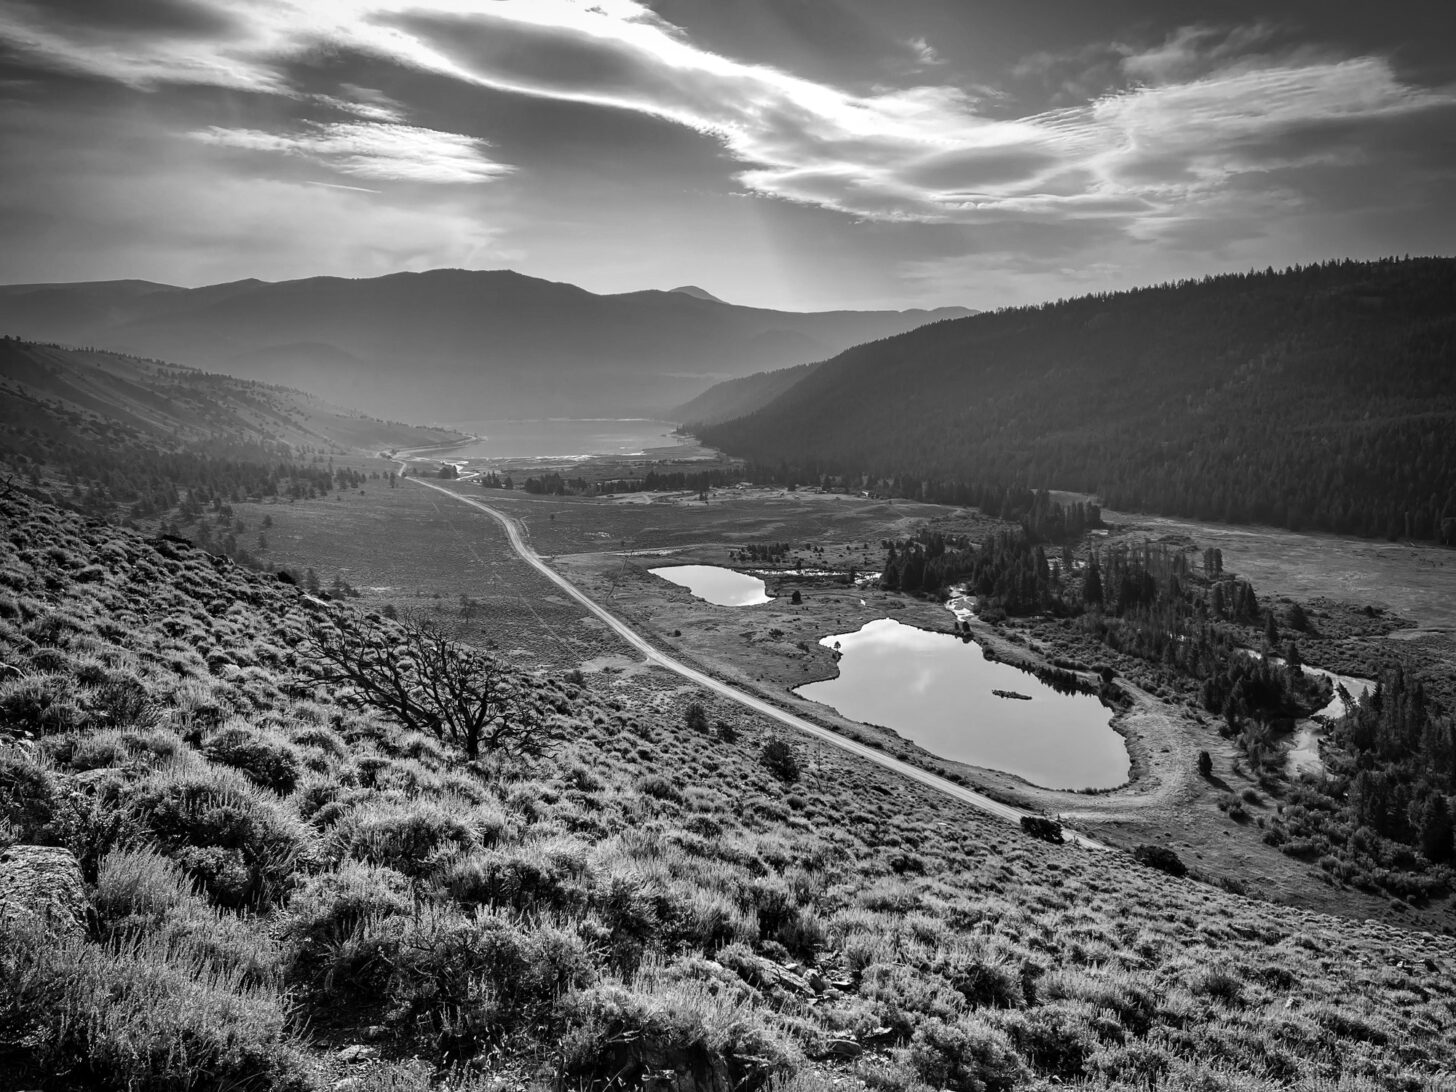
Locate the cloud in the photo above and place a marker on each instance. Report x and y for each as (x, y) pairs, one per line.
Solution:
(368, 149)
(1154, 141)
(925, 53)
(82, 198)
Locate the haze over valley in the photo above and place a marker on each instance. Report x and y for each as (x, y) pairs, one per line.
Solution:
(622, 547)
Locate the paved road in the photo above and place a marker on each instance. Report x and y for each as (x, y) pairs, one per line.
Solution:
(749, 701)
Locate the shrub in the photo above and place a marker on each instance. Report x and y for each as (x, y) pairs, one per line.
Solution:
(123, 701)
(725, 732)
(1160, 857)
(39, 705)
(475, 977)
(155, 1014)
(964, 1055)
(339, 933)
(523, 878)
(779, 759)
(240, 844)
(1048, 830)
(695, 717)
(137, 888)
(114, 748)
(615, 1037)
(28, 796)
(1055, 1039)
(264, 759)
(415, 837)
(659, 788)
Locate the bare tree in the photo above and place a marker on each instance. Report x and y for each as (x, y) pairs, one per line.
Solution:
(415, 674)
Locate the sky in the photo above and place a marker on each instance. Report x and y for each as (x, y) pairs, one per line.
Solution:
(800, 154)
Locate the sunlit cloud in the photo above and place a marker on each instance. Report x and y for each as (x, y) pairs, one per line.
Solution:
(1190, 139)
(372, 150)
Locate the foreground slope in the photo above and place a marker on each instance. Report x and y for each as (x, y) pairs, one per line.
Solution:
(1321, 397)
(451, 343)
(274, 871)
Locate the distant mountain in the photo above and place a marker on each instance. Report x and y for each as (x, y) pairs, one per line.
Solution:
(449, 344)
(1320, 397)
(102, 401)
(697, 293)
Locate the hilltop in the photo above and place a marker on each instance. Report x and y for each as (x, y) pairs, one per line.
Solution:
(319, 888)
(1320, 397)
(453, 343)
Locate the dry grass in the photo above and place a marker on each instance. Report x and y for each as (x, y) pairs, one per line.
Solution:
(651, 897)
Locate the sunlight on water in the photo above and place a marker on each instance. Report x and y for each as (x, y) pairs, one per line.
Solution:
(565, 438)
(935, 689)
(717, 585)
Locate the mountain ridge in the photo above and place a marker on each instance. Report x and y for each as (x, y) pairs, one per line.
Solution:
(449, 342)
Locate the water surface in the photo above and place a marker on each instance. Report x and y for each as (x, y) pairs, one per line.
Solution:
(935, 689)
(716, 584)
(565, 437)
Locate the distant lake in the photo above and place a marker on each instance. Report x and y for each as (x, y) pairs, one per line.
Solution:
(725, 587)
(564, 437)
(936, 690)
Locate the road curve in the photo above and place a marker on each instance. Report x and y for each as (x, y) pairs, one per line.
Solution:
(743, 698)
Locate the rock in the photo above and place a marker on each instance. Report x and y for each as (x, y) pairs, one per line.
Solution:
(43, 882)
(846, 1049)
(352, 1055)
(349, 1084)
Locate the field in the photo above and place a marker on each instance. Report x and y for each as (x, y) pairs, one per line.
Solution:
(412, 549)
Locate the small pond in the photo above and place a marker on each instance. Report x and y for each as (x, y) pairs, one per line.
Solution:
(716, 584)
(940, 692)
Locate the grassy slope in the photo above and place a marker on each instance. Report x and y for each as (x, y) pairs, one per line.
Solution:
(650, 894)
(178, 408)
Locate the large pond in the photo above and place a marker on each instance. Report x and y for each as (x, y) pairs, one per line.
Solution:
(566, 438)
(716, 584)
(939, 691)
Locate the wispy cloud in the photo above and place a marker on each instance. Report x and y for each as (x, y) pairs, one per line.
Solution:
(372, 150)
(1172, 132)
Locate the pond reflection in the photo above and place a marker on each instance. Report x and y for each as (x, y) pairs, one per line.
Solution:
(941, 692)
(716, 584)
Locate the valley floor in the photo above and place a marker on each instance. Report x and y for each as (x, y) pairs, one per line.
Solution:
(415, 549)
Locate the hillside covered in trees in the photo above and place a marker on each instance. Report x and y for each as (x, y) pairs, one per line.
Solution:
(250, 868)
(1321, 397)
(118, 436)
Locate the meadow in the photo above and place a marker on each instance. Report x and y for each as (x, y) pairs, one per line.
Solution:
(285, 889)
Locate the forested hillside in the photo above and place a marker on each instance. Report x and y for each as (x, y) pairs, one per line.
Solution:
(739, 397)
(120, 436)
(230, 864)
(1321, 397)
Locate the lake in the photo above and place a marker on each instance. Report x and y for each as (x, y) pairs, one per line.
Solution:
(565, 438)
(936, 690)
(716, 584)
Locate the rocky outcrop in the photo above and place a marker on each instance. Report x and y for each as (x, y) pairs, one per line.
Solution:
(42, 882)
